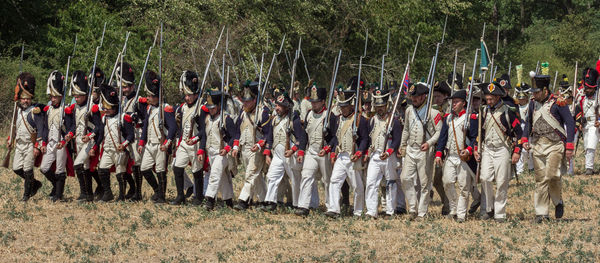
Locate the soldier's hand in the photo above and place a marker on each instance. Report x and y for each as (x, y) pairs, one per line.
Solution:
(43, 149)
(85, 139)
(268, 160)
(354, 158)
(438, 161)
(464, 153)
(322, 153)
(234, 153)
(189, 141)
(596, 124)
(59, 145)
(402, 151)
(515, 158)
(300, 159)
(384, 155)
(162, 148)
(476, 155)
(36, 152)
(365, 158)
(92, 152)
(120, 147)
(254, 148)
(527, 146)
(569, 154)
(8, 143)
(223, 152)
(68, 137)
(288, 153)
(332, 159)
(201, 158)
(424, 147)
(140, 149)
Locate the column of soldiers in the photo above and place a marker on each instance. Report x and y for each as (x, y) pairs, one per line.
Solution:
(287, 145)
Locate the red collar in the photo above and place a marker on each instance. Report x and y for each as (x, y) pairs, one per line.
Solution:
(462, 113)
(322, 110)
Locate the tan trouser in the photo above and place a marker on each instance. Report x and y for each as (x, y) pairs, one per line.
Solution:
(23, 158)
(254, 183)
(548, 158)
(495, 166)
(455, 170)
(186, 154)
(111, 157)
(314, 168)
(82, 153)
(417, 164)
(153, 158)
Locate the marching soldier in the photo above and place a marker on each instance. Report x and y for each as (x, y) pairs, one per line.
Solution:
(522, 95)
(88, 133)
(441, 91)
(93, 161)
(117, 139)
(566, 92)
(251, 135)
(457, 144)
(56, 136)
(550, 142)
(587, 113)
(316, 164)
(156, 139)
(383, 160)
(500, 126)
(136, 110)
(190, 130)
(417, 149)
(349, 150)
(29, 127)
(281, 155)
(216, 143)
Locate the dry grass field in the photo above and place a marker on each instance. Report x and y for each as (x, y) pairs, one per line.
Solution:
(40, 230)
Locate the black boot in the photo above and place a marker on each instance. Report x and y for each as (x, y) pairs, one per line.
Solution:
(199, 185)
(137, 196)
(210, 203)
(151, 179)
(162, 188)
(19, 173)
(99, 192)
(28, 176)
(241, 205)
(180, 199)
(80, 178)
(122, 186)
(107, 194)
(87, 181)
(229, 203)
(129, 179)
(346, 194)
(52, 179)
(60, 187)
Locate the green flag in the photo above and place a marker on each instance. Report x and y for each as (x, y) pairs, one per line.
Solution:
(484, 57)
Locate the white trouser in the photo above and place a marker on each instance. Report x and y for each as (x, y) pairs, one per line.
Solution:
(590, 141)
(82, 157)
(53, 154)
(342, 169)
(280, 166)
(185, 155)
(219, 178)
(313, 168)
(254, 182)
(112, 157)
(525, 162)
(495, 166)
(23, 158)
(376, 170)
(417, 165)
(153, 158)
(455, 170)
(132, 148)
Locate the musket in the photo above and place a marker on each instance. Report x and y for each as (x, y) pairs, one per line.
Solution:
(206, 69)
(305, 65)
(463, 71)
(93, 76)
(142, 78)
(226, 84)
(64, 95)
(261, 92)
(430, 85)
(444, 33)
(161, 106)
(415, 49)
(470, 94)
(554, 84)
(336, 65)
(387, 50)
(243, 65)
(454, 70)
(509, 68)
(13, 122)
(537, 67)
(290, 111)
(574, 90)
(112, 74)
(389, 126)
(357, 99)
(287, 59)
(231, 59)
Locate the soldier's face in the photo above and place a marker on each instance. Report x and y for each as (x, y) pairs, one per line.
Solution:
(458, 105)
(25, 103)
(475, 103)
(249, 105)
(317, 105)
(491, 99)
(347, 110)
(539, 96)
(281, 110)
(523, 101)
(190, 98)
(367, 106)
(80, 99)
(55, 100)
(381, 110)
(95, 96)
(152, 100)
(438, 98)
(127, 89)
(214, 111)
(417, 101)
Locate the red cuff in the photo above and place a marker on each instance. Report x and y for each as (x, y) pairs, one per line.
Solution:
(367, 152)
(95, 108)
(227, 148)
(301, 153)
(89, 134)
(475, 148)
(327, 149)
(358, 153)
(63, 142)
(390, 151)
(438, 154)
(569, 146)
(517, 150)
(142, 143)
(200, 152)
(470, 150)
(236, 142)
(332, 155)
(36, 144)
(261, 143)
(294, 148)
(44, 143)
(70, 133)
(143, 100)
(524, 140)
(267, 152)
